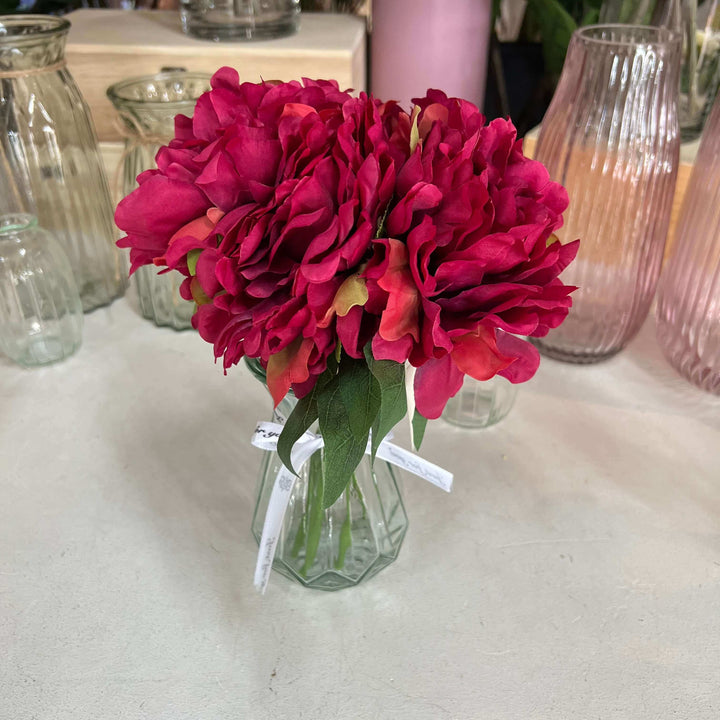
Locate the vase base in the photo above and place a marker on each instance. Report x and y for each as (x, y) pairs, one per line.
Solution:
(575, 357)
(332, 580)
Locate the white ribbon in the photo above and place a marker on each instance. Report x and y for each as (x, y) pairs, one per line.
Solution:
(266, 437)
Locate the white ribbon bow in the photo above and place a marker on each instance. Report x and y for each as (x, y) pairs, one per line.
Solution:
(266, 437)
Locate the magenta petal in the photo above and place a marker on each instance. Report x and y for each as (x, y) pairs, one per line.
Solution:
(527, 358)
(435, 383)
(160, 206)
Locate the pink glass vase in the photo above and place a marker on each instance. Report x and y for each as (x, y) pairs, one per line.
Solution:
(421, 44)
(611, 137)
(688, 311)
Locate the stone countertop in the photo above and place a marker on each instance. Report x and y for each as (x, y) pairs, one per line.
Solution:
(574, 571)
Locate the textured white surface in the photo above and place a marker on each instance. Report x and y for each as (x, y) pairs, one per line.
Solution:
(574, 572)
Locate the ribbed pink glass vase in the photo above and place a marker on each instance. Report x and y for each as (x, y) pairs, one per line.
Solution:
(611, 137)
(688, 311)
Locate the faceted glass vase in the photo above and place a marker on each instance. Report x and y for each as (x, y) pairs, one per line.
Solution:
(147, 107)
(338, 547)
(50, 166)
(480, 404)
(41, 314)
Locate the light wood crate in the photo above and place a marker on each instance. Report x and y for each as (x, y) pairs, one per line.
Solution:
(105, 46)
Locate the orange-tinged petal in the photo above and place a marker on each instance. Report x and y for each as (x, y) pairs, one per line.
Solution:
(198, 293)
(297, 110)
(287, 367)
(199, 228)
(477, 354)
(400, 316)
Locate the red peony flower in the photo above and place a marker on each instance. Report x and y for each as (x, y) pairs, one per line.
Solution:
(323, 233)
(467, 260)
(268, 200)
(303, 217)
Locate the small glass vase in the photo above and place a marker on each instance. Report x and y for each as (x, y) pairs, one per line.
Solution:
(611, 137)
(147, 107)
(41, 314)
(50, 166)
(688, 307)
(480, 404)
(230, 20)
(338, 547)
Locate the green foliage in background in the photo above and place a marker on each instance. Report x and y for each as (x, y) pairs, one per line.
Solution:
(552, 22)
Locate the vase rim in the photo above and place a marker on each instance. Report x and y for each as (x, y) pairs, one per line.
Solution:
(120, 93)
(31, 29)
(632, 35)
(13, 223)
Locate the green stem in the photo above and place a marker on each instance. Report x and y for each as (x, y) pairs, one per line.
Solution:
(315, 512)
(345, 531)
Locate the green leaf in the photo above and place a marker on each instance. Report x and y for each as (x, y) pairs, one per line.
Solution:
(556, 27)
(390, 376)
(304, 414)
(418, 424)
(360, 394)
(347, 408)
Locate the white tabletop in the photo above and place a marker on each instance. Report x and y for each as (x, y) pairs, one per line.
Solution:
(574, 572)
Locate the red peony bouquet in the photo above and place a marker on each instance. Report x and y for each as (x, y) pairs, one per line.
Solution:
(355, 250)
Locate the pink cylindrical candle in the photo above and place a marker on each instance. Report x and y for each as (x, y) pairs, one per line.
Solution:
(421, 44)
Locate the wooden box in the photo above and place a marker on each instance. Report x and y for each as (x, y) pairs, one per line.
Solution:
(105, 46)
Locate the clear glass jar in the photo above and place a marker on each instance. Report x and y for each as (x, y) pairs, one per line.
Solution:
(227, 20)
(480, 404)
(611, 137)
(41, 314)
(147, 107)
(688, 308)
(49, 161)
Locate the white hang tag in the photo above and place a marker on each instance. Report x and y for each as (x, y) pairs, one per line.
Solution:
(265, 437)
(418, 466)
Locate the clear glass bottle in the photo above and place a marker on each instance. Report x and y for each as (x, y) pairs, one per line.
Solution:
(688, 308)
(611, 137)
(147, 107)
(228, 20)
(49, 161)
(480, 404)
(41, 314)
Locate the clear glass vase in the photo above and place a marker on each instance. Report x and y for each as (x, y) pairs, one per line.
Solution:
(49, 161)
(480, 404)
(359, 535)
(147, 107)
(228, 20)
(611, 136)
(688, 308)
(41, 315)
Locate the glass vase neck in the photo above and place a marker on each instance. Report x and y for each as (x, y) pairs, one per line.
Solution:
(148, 105)
(12, 225)
(617, 37)
(31, 43)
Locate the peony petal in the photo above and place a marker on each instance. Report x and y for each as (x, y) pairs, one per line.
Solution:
(527, 358)
(400, 317)
(477, 354)
(435, 383)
